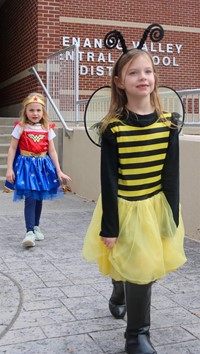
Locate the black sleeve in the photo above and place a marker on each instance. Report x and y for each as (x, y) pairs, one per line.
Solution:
(109, 186)
(170, 175)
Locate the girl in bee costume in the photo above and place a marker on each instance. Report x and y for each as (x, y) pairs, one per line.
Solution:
(33, 169)
(136, 234)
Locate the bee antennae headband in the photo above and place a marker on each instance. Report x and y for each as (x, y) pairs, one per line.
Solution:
(112, 38)
(156, 33)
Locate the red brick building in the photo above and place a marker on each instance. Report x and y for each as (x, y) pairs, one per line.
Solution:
(32, 30)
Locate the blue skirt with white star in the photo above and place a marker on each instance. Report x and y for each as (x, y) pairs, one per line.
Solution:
(36, 177)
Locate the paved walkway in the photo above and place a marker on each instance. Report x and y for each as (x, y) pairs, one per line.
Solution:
(53, 302)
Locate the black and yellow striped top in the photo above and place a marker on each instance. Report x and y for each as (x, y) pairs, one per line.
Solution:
(141, 155)
(139, 158)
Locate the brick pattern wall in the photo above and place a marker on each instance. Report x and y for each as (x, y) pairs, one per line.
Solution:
(175, 12)
(48, 28)
(33, 30)
(18, 23)
(31, 33)
(182, 13)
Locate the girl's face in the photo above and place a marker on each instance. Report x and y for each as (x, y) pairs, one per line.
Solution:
(34, 112)
(137, 78)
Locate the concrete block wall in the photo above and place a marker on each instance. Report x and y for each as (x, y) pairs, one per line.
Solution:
(190, 183)
(81, 161)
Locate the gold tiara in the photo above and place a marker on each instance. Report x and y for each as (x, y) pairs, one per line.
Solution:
(33, 99)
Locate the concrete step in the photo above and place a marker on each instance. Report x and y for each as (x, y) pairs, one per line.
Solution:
(3, 159)
(5, 138)
(3, 169)
(6, 129)
(8, 121)
(4, 148)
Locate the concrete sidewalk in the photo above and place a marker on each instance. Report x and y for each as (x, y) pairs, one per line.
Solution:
(53, 302)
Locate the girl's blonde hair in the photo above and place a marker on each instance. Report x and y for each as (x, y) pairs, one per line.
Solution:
(118, 96)
(34, 97)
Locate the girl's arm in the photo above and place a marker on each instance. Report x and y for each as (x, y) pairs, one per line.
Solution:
(170, 175)
(54, 157)
(109, 189)
(10, 176)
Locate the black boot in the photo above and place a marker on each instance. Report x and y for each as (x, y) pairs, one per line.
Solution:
(117, 304)
(138, 302)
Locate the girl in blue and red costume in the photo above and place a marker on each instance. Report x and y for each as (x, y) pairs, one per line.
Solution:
(33, 167)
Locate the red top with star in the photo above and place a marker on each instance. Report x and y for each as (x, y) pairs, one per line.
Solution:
(34, 141)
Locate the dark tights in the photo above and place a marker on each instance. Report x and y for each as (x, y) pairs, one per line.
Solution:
(32, 212)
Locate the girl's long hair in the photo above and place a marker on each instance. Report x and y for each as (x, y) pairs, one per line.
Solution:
(118, 96)
(45, 118)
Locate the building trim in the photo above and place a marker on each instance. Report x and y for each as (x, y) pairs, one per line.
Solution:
(92, 21)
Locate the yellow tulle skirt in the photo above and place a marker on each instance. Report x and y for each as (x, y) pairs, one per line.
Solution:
(149, 244)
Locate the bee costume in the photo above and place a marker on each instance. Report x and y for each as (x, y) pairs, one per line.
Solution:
(139, 201)
(138, 205)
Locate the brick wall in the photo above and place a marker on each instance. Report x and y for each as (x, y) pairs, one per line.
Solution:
(176, 12)
(18, 23)
(48, 28)
(31, 32)
(33, 29)
(182, 13)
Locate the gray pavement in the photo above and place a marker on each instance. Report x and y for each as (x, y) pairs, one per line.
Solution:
(52, 301)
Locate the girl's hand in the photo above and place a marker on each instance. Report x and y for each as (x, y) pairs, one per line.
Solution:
(62, 176)
(109, 241)
(10, 176)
